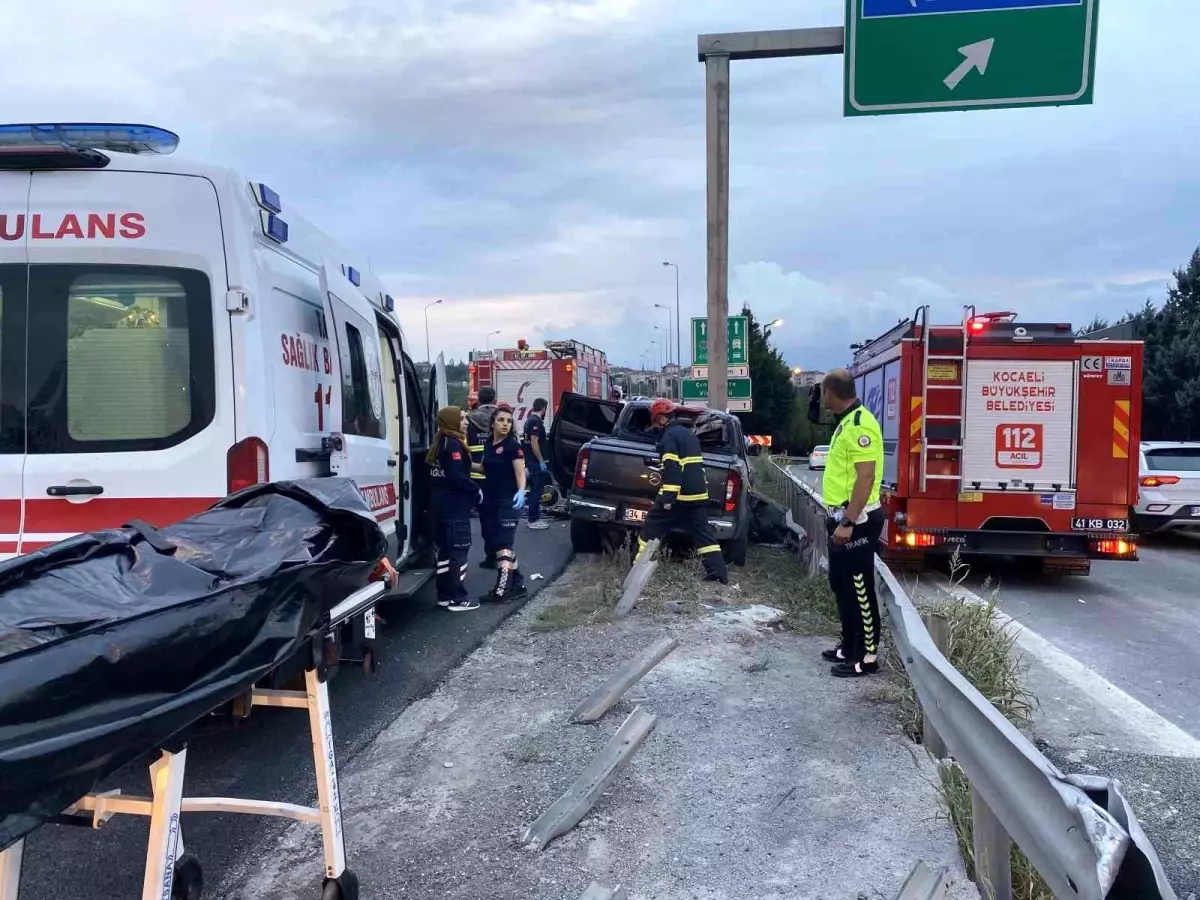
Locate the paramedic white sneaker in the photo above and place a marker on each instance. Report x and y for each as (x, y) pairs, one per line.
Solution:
(539, 525)
(464, 604)
(442, 602)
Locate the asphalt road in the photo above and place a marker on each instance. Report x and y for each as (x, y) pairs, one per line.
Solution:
(1112, 661)
(269, 756)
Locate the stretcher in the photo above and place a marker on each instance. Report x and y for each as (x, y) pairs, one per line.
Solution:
(172, 873)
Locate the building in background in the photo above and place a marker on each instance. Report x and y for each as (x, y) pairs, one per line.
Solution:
(803, 379)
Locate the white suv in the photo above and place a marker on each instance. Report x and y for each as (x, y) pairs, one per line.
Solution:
(1169, 496)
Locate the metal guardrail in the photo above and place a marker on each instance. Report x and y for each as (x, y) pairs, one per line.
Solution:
(1078, 831)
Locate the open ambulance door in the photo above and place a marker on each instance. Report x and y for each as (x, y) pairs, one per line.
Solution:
(358, 414)
(439, 393)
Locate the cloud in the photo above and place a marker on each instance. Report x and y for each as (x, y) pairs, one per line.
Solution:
(532, 162)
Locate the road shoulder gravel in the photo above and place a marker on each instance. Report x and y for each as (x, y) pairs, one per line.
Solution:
(764, 778)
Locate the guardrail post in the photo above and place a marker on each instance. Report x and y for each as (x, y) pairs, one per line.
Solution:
(993, 851)
(938, 627)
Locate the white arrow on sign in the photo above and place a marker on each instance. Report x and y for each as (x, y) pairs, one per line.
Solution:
(977, 56)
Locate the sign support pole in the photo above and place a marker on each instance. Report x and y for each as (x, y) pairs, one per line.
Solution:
(716, 70)
(716, 51)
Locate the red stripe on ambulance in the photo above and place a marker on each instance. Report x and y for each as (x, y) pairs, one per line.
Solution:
(56, 516)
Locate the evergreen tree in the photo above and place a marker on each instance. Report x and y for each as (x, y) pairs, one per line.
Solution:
(1171, 372)
(1096, 324)
(772, 381)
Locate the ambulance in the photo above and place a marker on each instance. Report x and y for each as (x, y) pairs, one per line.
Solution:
(171, 333)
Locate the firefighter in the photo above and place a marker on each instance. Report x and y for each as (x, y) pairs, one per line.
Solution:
(682, 501)
(454, 493)
(504, 499)
(853, 473)
(479, 426)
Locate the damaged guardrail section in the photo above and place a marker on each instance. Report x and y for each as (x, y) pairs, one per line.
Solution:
(1078, 831)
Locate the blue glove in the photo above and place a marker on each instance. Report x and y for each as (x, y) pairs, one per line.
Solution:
(545, 466)
(479, 499)
(519, 500)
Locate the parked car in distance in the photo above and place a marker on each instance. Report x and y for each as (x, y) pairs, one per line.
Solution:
(1169, 492)
(603, 455)
(816, 459)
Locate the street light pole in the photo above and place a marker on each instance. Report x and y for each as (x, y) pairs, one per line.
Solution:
(678, 321)
(488, 342)
(428, 353)
(667, 309)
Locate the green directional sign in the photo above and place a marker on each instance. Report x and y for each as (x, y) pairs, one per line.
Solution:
(905, 56)
(697, 389)
(737, 344)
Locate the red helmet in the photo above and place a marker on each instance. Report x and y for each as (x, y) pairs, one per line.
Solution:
(661, 407)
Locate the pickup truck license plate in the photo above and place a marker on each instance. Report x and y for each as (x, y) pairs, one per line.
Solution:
(635, 515)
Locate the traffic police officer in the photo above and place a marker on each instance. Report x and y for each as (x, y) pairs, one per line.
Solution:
(537, 466)
(682, 502)
(853, 473)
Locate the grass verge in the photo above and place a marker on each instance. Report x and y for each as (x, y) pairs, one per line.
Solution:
(982, 649)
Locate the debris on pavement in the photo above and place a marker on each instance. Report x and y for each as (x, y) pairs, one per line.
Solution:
(766, 781)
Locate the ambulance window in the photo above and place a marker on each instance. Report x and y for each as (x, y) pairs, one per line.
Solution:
(362, 388)
(120, 358)
(418, 421)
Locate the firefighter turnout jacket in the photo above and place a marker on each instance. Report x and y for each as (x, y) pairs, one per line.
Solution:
(479, 430)
(683, 465)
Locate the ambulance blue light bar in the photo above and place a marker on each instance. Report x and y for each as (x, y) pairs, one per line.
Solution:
(352, 274)
(142, 139)
(275, 228)
(389, 303)
(266, 198)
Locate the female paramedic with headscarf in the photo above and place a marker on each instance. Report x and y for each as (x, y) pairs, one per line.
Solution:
(504, 498)
(454, 493)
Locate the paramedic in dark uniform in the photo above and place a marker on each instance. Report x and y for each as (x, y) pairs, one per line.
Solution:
(479, 426)
(503, 501)
(537, 464)
(682, 502)
(454, 493)
(853, 473)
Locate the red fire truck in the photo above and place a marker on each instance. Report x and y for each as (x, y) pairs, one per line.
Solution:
(522, 374)
(1005, 438)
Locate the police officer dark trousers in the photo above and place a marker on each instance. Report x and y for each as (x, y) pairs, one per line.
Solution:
(537, 468)
(454, 493)
(682, 502)
(853, 474)
(504, 499)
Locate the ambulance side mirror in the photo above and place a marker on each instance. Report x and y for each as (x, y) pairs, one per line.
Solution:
(814, 403)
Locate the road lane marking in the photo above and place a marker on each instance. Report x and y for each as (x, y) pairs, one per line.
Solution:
(1165, 737)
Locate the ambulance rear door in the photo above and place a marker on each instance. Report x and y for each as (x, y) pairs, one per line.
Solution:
(14, 194)
(129, 410)
(362, 450)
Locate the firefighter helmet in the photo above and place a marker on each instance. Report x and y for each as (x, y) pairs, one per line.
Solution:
(661, 407)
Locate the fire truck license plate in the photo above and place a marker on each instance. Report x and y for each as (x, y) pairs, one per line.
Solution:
(635, 515)
(1087, 524)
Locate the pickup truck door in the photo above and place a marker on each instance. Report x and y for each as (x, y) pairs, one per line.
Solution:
(579, 419)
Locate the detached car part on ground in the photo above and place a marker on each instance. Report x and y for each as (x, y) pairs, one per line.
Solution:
(602, 454)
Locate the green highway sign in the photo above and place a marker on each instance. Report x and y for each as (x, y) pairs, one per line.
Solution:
(737, 343)
(696, 389)
(905, 56)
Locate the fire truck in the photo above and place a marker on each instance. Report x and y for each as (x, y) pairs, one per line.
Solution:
(1005, 438)
(523, 374)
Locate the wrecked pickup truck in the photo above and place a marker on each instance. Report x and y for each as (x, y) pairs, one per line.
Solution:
(603, 457)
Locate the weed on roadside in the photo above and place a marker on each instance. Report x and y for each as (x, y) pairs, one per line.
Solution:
(592, 598)
(954, 797)
(526, 753)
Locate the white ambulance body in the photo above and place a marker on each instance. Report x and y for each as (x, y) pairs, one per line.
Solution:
(170, 333)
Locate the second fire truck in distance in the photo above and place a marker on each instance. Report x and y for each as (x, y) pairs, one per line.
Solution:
(1005, 438)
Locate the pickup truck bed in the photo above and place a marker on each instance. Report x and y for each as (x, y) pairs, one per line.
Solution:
(604, 457)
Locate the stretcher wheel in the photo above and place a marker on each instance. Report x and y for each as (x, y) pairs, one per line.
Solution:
(189, 879)
(344, 887)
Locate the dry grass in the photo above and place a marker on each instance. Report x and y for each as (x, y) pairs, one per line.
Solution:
(594, 590)
(982, 649)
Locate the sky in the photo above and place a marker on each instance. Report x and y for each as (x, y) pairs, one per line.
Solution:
(532, 163)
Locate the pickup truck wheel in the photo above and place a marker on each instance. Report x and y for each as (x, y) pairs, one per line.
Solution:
(585, 536)
(735, 550)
